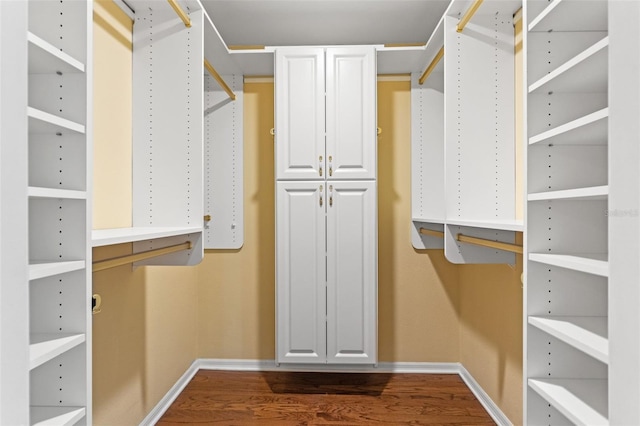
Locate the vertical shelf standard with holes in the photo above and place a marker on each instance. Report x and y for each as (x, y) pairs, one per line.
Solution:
(46, 197)
(568, 284)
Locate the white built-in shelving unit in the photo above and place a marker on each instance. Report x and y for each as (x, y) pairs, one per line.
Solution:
(463, 136)
(566, 310)
(167, 135)
(46, 211)
(59, 167)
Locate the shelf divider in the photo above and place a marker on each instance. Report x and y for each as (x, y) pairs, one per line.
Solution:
(584, 333)
(45, 58)
(591, 193)
(45, 269)
(590, 263)
(59, 416)
(43, 122)
(583, 401)
(46, 346)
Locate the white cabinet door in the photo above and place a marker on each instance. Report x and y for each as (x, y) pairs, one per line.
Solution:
(352, 279)
(351, 113)
(300, 113)
(300, 272)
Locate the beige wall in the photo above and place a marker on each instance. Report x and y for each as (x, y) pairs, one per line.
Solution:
(491, 332)
(418, 294)
(144, 338)
(236, 288)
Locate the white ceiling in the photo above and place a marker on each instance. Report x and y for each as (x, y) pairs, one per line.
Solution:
(328, 22)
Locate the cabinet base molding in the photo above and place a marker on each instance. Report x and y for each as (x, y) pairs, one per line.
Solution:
(270, 365)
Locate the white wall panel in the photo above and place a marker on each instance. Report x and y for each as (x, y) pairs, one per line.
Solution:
(223, 164)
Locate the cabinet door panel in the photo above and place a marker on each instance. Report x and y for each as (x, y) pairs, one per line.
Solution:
(300, 272)
(300, 113)
(351, 113)
(352, 279)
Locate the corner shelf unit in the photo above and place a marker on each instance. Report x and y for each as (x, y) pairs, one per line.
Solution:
(460, 123)
(566, 309)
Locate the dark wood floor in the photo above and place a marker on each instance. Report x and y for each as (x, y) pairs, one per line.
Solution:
(280, 398)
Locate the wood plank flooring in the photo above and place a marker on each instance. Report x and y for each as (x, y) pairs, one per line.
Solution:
(283, 398)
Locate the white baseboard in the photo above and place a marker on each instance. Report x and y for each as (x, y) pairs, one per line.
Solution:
(163, 405)
(384, 367)
(494, 411)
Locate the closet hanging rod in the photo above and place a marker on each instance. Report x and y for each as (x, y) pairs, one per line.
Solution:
(468, 15)
(431, 66)
(431, 233)
(513, 248)
(219, 79)
(181, 13)
(101, 265)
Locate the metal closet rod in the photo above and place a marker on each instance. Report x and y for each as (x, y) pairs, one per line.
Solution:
(468, 15)
(219, 79)
(101, 265)
(431, 66)
(513, 248)
(181, 13)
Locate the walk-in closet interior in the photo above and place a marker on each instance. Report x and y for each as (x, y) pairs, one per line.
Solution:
(355, 186)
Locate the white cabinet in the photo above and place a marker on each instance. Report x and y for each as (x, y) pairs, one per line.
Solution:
(326, 272)
(352, 272)
(351, 113)
(326, 225)
(325, 113)
(301, 271)
(300, 103)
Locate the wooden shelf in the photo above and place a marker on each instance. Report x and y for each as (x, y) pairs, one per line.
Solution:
(582, 401)
(590, 263)
(68, 194)
(43, 122)
(501, 225)
(44, 346)
(565, 15)
(44, 58)
(592, 193)
(44, 269)
(587, 334)
(105, 237)
(58, 416)
(586, 72)
(588, 130)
